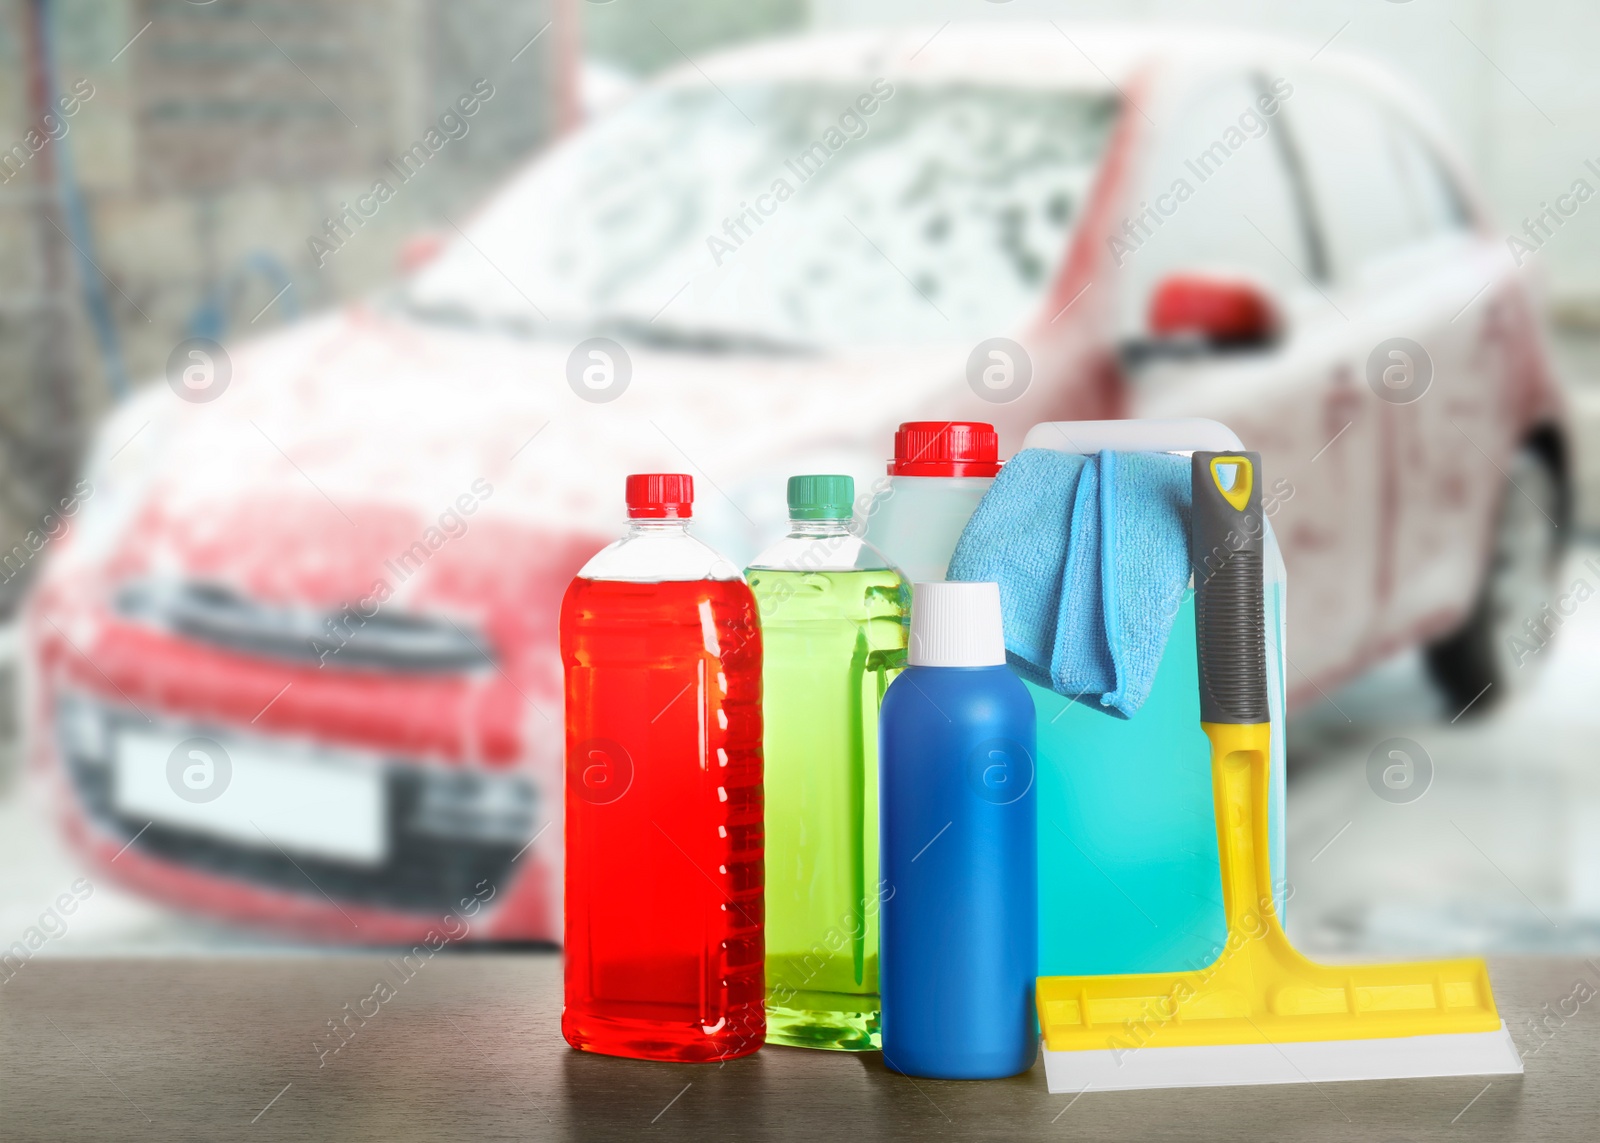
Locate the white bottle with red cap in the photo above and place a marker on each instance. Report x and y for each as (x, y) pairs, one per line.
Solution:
(940, 471)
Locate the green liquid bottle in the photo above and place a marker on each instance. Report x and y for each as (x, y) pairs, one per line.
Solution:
(833, 635)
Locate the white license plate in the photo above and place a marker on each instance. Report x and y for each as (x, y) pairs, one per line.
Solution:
(264, 795)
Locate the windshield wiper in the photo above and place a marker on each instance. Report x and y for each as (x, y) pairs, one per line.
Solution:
(625, 327)
(707, 340)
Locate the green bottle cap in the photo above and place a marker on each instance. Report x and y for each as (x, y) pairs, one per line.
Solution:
(821, 497)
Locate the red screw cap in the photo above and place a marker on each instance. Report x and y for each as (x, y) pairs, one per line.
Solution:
(660, 496)
(945, 448)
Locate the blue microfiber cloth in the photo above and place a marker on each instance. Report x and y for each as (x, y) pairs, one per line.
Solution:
(1092, 558)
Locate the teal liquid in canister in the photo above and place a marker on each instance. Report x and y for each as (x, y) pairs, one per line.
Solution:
(1129, 879)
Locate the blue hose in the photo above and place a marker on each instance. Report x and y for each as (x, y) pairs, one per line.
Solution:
(95, 299)
(209, 318)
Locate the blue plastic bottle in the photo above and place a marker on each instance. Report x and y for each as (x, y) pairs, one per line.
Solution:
(956, 802)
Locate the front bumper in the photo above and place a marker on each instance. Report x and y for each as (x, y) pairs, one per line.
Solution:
(500, 882)
(423, 871)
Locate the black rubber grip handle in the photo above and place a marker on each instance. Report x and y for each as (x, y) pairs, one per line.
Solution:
(1227, 544)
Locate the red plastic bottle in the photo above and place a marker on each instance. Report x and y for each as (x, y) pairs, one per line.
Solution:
(662, 655)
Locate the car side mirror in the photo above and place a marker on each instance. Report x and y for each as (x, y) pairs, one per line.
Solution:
(1194, 314)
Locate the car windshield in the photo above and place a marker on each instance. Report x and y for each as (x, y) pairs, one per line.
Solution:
(784, 215)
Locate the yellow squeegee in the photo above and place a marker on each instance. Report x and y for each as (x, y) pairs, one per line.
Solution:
(1261, 1013)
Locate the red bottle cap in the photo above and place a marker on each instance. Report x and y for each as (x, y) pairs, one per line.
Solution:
(945, 448)
(660, 496)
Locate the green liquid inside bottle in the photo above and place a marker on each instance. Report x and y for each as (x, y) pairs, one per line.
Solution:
(832, 641)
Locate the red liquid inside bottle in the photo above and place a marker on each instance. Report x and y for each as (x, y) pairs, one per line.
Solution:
(662, 656)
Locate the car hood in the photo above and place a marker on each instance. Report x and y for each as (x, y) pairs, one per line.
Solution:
(341, 443)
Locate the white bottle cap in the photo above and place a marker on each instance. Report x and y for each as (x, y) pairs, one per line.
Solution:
(956, 625)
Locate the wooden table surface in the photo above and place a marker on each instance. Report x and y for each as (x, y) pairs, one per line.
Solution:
(223, 1048)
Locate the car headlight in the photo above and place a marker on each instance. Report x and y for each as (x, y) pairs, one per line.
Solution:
(122, 458)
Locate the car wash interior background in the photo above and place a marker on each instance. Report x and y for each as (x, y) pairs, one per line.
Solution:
(179, 180)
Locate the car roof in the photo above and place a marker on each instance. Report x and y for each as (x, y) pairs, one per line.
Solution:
(1029, 53)
(1060, 54)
